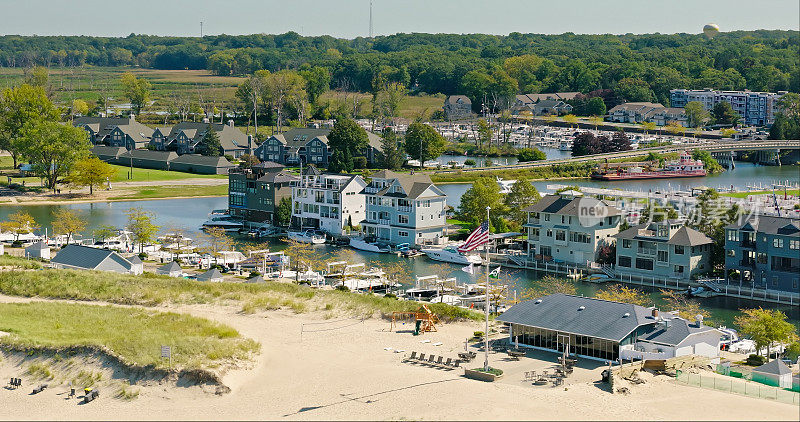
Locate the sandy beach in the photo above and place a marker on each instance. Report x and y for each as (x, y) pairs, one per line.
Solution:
(342, 368)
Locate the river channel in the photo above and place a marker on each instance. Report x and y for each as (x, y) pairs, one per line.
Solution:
(188, 214)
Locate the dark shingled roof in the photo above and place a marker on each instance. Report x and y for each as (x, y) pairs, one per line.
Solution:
(146, 154)
(774, 367)
(202, 160)
(673, 334)
(212, 274)
(557, 204)
(453, 99)
(85, 257)
(413, 185)
(170, 267)
(785, 226)
(561, 312)
(684, 236)
(256, 279)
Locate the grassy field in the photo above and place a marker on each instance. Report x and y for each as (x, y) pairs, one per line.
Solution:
(410, 106)
(148, 175)
(134, 335)
(793, 192)
(20, 263)
(156, 192)
(151, 290)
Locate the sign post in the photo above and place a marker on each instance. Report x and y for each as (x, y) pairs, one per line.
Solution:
(166, 352)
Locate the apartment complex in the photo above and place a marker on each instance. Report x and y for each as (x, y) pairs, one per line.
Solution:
(307, 146)
(755, 108)
(404, 208)
(570, 228)
(254, 193)
(123, 132)
(328, 202)
(764, 252)
(666, 249)
(457, 107)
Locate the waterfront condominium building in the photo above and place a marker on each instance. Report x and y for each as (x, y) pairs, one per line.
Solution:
(664, 250)
(754, 108)
(570, 228)
(254, 193)
(764, 252)
(404, 208)
(328, 202)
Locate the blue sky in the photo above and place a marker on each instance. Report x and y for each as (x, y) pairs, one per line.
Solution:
(350, 18)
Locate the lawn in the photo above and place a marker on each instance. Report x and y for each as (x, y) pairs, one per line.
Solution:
(147, 175)
(410, 107)
(133, 335)
(793, 192)
(155, 192)
(150, 290)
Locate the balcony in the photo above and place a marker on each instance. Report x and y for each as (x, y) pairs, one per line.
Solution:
(384, 222)
(747, 262)
(646, 251)
(333, 201)
(747, 243)
(405, 209)
(371, 190)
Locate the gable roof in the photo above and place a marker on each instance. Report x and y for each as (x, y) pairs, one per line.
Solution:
(37, 246)
(561, 205)
(85, 257)
(774, 367)
(108, 152)
(255, 279)
(212, 274)
(598, 318)
(673, 332)
(202, 160)
(146, 154)
(134, 259)
(785, 226)
(169, 267)
(455, 99)
(684, 236)
(413, 186)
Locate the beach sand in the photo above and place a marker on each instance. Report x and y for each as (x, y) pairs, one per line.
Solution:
(344, 372)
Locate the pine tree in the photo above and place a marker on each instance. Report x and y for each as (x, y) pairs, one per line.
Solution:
(210, 145)
(392, 155)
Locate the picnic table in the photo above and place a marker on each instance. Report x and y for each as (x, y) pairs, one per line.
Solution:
(467, 355)
(515, 354)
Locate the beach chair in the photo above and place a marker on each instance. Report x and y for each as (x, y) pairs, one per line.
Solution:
(439, 361)
(430, 360)
(448, 362)
(456, 363)
(422, 357)
(413, 356)
(39, 389)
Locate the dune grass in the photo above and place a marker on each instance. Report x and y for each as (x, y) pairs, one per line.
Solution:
(19, 262)
(151, 290)
(133, 335)
(152, 175)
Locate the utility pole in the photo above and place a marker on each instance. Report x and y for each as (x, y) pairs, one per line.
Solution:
(486, 334)
(201, 29)
(370, 18)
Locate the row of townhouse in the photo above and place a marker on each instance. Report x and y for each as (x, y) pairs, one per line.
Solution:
(544, 104)
(394, 208)
(308, 146)
(183, 138)
(638, 112)
(755, 108)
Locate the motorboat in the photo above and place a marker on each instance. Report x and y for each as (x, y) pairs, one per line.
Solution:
(421, 293)
(505, 185)
(263, 231)
(364, 244)
(451, 255)
(307, 236)
(224, 222)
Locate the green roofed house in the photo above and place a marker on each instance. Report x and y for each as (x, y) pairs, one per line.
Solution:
(78, 257)
(201, 164)
(107, 154)
(775, 373)
(606, 330)
(38, 250)
(144, 158)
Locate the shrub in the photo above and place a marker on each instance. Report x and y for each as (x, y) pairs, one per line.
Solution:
(477, 334)
(756, 360)
(360, 162)
(390, 296)
(469, 162)
(493, 371)
(342, 288)
(142, 256)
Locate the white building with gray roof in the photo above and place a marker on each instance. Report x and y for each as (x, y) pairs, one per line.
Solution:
(663, 250)
(328, 202)
(570, 228)
(402, 208)
(80, 257)
(605, 330)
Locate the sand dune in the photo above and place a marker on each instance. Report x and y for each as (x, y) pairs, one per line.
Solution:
(346, 373)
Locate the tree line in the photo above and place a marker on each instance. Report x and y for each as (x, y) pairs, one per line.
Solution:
(486, 67)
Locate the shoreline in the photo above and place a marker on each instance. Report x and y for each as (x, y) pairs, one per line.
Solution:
(99, 200)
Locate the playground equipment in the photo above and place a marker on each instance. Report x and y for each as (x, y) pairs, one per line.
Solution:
(424, 319)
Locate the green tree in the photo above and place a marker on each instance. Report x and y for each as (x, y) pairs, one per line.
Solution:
(787, 120)
(423, 142)
(523, 194)
(22, 108)
(547, 286)
(79, 107)
(210, 145)
(485, 192)
(19, 223)
(724, 115)
(136, 90)
(141, 226)
(53, 149)
(710, 217)
(530, 154)
(634, 90)
(318, 81)
(68, 222)
(104, 232)
(696, 115)
(766, 327)
(91, 172)
(484, 133)
(711, 164)
(621, 293)
(37, 77)
(347, 139)
(687, 308)
(595, 107)
(393, 157)
(283, 212)
(247, 161)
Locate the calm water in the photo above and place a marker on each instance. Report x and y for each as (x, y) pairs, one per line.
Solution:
(188, 214)
(551, 153)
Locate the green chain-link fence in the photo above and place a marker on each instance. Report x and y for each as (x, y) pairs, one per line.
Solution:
(738, 386)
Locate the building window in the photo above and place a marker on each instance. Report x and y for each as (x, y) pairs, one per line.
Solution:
(777, 243)
(547, 217)
(731, 252)
(644, 264)
(402, 219)
(624, 261)
(561, 235)
(678, 249)
(663, 256)
(678, 269)
(402, 234)
(549, 233)
(626, 243)
(794, 244)
(761, 258)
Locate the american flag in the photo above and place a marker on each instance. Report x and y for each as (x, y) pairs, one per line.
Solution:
(477, 238)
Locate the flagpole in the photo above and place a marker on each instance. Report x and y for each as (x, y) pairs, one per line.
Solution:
(486, 334)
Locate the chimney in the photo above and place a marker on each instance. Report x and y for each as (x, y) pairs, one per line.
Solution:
(132, 117)
(249, 140)
(698, 319)
(230, 122)
(655, 313)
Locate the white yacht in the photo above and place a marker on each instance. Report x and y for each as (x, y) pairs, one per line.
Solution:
(362, 244)
(505, 185)
(452, 255)
(308, 236)
(222, 221)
